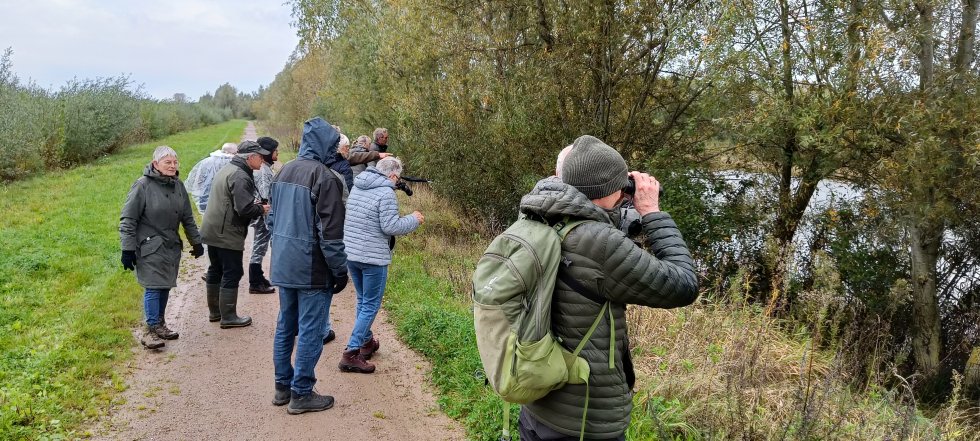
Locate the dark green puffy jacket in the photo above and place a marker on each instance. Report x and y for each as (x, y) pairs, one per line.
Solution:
(612, 267)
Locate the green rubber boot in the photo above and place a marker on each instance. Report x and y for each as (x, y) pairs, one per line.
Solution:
(228, 303)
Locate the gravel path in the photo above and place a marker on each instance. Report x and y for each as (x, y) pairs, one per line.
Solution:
(217, 384)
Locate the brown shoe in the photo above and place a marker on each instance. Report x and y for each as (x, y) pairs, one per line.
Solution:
(369, 348)
(151, 340)
(353, 362)
(164, 332)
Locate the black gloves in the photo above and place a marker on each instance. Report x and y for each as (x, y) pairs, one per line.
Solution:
(197, 250)
(129, 259)
(340, 284)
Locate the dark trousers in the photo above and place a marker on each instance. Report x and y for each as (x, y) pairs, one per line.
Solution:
(533, 430)
(226, 267)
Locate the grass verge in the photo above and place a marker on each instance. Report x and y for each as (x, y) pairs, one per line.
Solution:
(709, 371)
(66, 306)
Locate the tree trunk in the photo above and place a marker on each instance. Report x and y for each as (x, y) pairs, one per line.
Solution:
(925, 237)
(972, 376)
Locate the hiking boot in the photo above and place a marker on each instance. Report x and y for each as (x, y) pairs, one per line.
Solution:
(331, 336)
(257, 283)
(282, 395)
(263, 288)
(228, 304)
(151, 340)
(353, 362)
(164, 332)
(312, 402)
(369, 348)
(214, 313)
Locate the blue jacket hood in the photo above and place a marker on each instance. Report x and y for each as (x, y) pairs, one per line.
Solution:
(372, 178)
(319, 141)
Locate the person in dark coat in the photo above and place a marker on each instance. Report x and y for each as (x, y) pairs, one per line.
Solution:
(257, 283)
(156, 206)
(603, 265)
(309, 263)
(341, 164)
(231, 208)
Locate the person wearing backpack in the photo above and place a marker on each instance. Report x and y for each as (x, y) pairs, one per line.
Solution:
(601, 272)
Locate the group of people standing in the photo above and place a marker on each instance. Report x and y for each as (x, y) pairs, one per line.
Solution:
(331, 220)
(330, 215)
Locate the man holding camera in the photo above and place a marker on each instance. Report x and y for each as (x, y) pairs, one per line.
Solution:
(601, 264)
(231, 208)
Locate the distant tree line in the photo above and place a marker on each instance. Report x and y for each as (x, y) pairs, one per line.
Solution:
(46, 129)
(878, 94)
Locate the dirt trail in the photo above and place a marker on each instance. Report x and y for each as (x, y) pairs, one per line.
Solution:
(217, 383)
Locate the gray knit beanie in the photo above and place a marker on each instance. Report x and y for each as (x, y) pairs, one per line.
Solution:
(594, 168)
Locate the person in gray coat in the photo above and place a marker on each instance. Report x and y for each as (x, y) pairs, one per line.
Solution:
(156, 206)
(372, 219)
(231, 208)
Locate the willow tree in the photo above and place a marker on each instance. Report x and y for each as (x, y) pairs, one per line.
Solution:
(797, 78)
(929, 78)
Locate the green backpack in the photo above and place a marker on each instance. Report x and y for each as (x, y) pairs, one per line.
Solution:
(512, 290)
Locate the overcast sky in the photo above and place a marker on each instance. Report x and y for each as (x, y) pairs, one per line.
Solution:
(167, 46)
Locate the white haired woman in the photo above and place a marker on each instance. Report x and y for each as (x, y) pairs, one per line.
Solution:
(372, 219)
(156, 206)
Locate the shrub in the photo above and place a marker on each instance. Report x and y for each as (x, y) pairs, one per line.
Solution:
(98, 116)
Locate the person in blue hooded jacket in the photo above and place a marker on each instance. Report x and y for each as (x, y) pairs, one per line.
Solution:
(308, 264)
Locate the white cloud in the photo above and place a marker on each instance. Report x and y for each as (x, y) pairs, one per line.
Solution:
(187, 46)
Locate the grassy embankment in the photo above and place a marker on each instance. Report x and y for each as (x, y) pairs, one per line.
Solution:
(710, 371)
(66, 306)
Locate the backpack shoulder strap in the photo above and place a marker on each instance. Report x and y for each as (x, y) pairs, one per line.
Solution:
(565, 226)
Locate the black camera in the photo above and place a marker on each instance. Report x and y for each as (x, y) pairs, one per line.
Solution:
(403, 186)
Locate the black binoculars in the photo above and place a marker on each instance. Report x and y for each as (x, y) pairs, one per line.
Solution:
(630, 188)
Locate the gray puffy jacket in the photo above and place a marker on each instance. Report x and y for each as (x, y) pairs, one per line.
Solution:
(372, 218)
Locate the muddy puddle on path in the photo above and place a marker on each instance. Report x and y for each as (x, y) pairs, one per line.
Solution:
(217, 384)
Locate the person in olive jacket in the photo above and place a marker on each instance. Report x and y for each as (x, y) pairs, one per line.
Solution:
(156, 206)
(601, 264)
(231, 208)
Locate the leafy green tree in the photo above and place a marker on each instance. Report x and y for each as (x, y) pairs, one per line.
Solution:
(796, 78)
(929, 78)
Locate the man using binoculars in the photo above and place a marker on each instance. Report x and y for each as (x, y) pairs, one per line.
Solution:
(600, 264)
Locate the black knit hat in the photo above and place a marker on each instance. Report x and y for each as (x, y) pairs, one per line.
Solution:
(594, 168)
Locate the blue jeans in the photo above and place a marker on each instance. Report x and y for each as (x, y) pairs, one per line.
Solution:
(155, 305)
(302, 313)
(369, 282)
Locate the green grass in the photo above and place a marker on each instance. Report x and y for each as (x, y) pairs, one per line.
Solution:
(66, 307)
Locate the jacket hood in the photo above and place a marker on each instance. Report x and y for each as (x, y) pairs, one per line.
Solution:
(220, 154)
(319, 141)
(153, 173)
(553, 199)
(372, 178)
